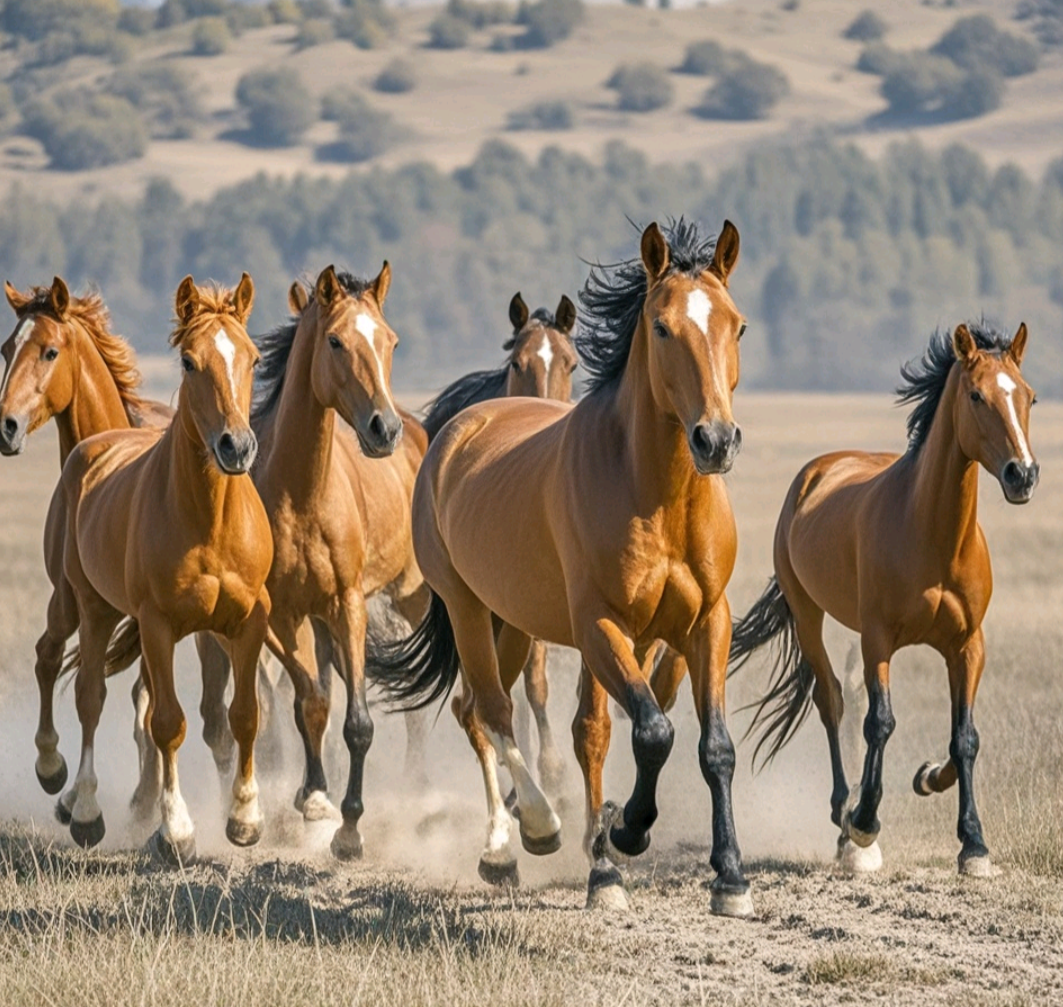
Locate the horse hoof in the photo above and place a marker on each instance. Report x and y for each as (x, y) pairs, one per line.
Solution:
(511, 804)
(499, 875)
(605, 888)
(540, 847)
(628, 842)
(87, 834)
(978, 867)
(179, 854)
(862, 839)
(346, 844)
(53, 782)
(316, 807)
(62, 813)
(243, 833)
(731, 902)
(853, 859)
(921, 782)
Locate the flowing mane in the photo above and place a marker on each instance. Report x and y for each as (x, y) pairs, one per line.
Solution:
(275, 348)
(925, 378)
(613, 297)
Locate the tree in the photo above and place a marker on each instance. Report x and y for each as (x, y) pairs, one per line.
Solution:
(640, 87)
(748, 92)
(278, 106)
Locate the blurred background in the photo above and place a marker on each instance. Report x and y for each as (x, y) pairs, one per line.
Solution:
(890, 170)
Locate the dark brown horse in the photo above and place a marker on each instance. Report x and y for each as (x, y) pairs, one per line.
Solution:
(626, 537)
(541, 360)
(890, 546)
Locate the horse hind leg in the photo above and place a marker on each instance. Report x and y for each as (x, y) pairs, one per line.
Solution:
(215, 667)
(145, 799)
(63, 620)
(550, 764)
(411, 606)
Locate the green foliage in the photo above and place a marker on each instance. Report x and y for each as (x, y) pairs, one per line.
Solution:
(749, 91)
(314, 31)
(879, 59)
(867, 26)
(547, 22)
(36, 19)
(641, 87)
(708, 59)
(481, 13)
(931, 86)
(543, 115)
(137, 20)
(210, 37)
(285, 11)
(1046, 20)
(448, 32)
(241, 17)
(366, 23)
(163, 93)
(398, 77)
(976, 43)
(363, 131)
(81, 129)
(278, 106)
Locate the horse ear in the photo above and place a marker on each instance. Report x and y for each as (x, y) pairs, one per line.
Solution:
(297, 298)
(1017, 349)
(17, 300)
(518, 312)
(381, 284)
(726, 254)
(186, 303)
(655, 254)
(963, 344)
(327, 288)
(244, 298)
(565, 316)
(60, 297)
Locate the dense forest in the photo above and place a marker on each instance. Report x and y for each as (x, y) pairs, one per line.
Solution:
(848, 263)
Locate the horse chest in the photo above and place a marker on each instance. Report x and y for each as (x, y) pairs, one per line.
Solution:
(213, 596)
(313, 561)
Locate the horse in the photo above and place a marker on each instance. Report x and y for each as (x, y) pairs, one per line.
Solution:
(890, 546)
(626, 536)
(541, 360)
(63, 362)
(166, 528)
(338, 498)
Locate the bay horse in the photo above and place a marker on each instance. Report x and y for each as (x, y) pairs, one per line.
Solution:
(626, 537)
(541, 360)
(890, 546)
(63, 362)
(166, 528)
(338, 498)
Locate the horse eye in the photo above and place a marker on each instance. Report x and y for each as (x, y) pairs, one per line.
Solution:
(1033, 401)
(188, 364)
(976, 396)
(334, 342)
(515, 364)
(660, 330)
(742, 330)
(51, 353)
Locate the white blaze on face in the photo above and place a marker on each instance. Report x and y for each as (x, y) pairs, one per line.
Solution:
(22, 336)
(366, 328)
(545, 353)
(699, 307)
(227, 349)
(1008, 386)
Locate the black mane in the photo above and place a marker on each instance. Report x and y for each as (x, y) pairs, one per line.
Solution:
(925, 378)
(613, 296)
(275, 347)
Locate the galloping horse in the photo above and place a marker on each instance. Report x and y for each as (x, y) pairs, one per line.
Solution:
(167, 528)
(64, 362)
(338, 496)
(540, 365)
(626, 537)
(890, 546)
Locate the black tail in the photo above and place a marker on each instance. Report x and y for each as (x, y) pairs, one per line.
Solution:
(122, 651)
(420, 669)
(783, 709)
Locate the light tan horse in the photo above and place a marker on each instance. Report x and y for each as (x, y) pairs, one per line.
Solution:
(167, 528)
(63, 362)
(541, 360)
(338, 495)
(626, 537)
(890, 546)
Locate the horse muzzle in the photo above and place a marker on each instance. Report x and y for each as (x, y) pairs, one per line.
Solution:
(1019, 481)
(381, 435)
(714, 446)
(12, 435)
(235, 451)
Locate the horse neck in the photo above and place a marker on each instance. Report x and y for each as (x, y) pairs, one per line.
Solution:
(945, 482)
(95, 404)
(199, 489)
(301, 448)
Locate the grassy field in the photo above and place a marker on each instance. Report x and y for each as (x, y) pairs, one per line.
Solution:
(285, 924)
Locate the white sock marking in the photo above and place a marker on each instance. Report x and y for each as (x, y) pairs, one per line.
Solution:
(227, 349)
(22, 336)
(366, 328)
(1008, 386)
(699, 307)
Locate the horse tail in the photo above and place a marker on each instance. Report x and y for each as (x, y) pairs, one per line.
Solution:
(788, 701)
(423, 667)
(122, 652)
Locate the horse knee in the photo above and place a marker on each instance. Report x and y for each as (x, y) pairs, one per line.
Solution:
(879, 722)
(358, 732)
(651, 737)
(716, 751)
(965, 743)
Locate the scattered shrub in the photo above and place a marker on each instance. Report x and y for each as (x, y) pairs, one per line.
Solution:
(398, 77)
(314, 31)
(36, 19)
(547, 22)
(366, 23)
(865, 27)
(364, 132)
(81, 130)
(927, 85)
(706, 58)
(750, 91)
(163, 94)
(640, 87)
(279, 108)
(137, 20)
(448, 32)
(481, 13)
(976, 43)
(1046, 17)
(878, 59)
(317, 8)
(285, 12)
(543, 115)
(204, 8)
(341, 103)
(210, 37)
(241, 17)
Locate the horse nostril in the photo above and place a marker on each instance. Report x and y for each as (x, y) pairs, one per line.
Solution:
(378, 428)
(1013, 475)
(736, 440)
(10, 427)
(226, 444)
(701, 438)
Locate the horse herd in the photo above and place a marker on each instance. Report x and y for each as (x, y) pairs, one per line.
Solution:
(287, 487)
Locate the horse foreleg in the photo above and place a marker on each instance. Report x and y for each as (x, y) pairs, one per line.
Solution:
(62, 624)
(214, 668)
(667, 675)
(145, 798)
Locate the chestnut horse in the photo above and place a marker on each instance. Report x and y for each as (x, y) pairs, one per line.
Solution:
(890, 546)
(626, 537)
(540, 365)
(338, 496)
(63, 361)
(167, 529)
